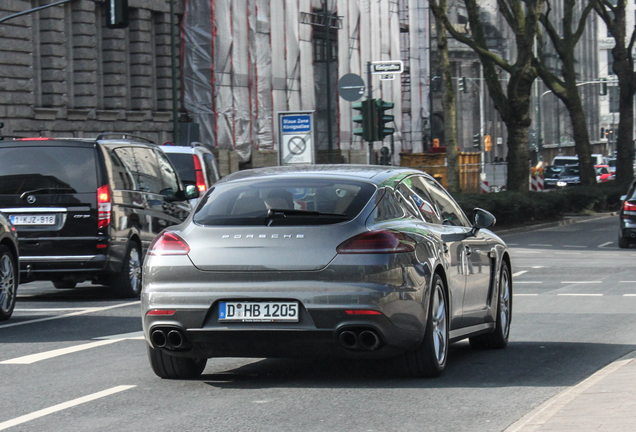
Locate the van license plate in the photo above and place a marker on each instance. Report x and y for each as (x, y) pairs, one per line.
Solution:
(33, 219)
(258, 311)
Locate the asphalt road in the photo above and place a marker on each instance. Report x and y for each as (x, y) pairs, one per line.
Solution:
(74, 360)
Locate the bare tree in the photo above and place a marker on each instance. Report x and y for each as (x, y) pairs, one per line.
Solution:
(513, 103)
(564, 86)
(448, 104)
(623, 66)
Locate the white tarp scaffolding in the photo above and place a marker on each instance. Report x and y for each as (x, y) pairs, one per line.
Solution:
(246, 60)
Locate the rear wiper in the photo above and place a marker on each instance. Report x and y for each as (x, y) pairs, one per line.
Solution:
(47, 189)
(274, 213)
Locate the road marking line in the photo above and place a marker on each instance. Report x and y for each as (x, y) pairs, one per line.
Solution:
(537, 267)
(107, 340)
(582, 295)
(519, 273)
(50, 310)
(605, 244)
(629, 295)
(526, 295)
(528, 252)
(66, 405)
(582, 282)
(574, 246)
(82, 312)
(539, 244)
(528, 282)
(567, 253)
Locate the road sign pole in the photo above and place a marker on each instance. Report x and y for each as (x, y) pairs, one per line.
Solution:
(369, 96)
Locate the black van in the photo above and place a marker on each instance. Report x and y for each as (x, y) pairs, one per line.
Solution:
(87, 209)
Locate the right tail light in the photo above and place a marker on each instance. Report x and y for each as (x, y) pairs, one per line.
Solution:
(376, 242)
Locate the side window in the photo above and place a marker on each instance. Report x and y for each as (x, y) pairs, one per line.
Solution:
(415, 192)
(387, 207)
(169, 176)
(450, 212)
(149, 177)
(124, 169)
(210, 168)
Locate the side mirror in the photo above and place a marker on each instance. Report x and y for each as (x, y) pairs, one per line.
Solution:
(623, 197)
(482, 219)
(191, 192)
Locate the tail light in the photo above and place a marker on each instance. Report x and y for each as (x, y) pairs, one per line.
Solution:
(103, 206)
(375, 242)
(168, 244)
(629, 209)
(198, 172)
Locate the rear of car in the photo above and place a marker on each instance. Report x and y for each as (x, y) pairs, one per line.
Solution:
(569, 176)
(56, 194)
(551, 176)
(627, 218)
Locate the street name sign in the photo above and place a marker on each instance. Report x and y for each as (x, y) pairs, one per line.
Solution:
(387, 67)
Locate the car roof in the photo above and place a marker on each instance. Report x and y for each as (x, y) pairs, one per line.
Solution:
(372, 173)
(83, 142)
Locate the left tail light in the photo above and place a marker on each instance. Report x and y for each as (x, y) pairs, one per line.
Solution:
(198, 172)
(168, 244)
(629, 209)
(103, 206)
(375, 242)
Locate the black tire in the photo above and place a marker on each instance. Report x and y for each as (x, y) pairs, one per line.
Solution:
(428, 360)
(127, 283)
(8, 282)
(64, 284)
(498, 339)
(623, 243)
(171, 367)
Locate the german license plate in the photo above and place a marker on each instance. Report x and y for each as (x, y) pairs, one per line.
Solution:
(258, 311)
(43, 219)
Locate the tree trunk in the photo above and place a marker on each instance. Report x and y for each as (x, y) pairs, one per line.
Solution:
(624, 142)
(450, 113)
(518, 151)
(581, 138)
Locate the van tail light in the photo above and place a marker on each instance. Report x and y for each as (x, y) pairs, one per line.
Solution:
(103, 206)
(168, 244)
(198, 172)
(375, 242)
(629, 209)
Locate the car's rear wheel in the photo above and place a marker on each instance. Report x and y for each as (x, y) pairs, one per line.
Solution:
(499, 338)
(429, 358)
(623, 243)
(8, 283)
(172, 367)
(127, 283)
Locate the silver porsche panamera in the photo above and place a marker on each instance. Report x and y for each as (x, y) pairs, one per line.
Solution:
(329, 260)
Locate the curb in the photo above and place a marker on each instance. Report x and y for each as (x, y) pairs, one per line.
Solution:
(569, 219)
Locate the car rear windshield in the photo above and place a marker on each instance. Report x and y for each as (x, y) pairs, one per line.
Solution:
(184, 164)
(47, 169)
(570, 170)
(283, 202)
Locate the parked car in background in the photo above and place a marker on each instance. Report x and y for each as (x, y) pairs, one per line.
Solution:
(597, 159)
(551, 176)
(569, 176)
(87, 209)
(330, 260)
(195, 164)
(611, 163)
(9, 268)
(627, 218)
(603, 173)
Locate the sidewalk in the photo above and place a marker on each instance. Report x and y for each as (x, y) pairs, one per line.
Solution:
(606, 401)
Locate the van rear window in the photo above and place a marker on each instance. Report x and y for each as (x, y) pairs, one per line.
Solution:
(184, 165)
(64, 169)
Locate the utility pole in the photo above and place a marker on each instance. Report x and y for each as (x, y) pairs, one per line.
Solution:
(173, 63)
(369, 96)
(327, 27)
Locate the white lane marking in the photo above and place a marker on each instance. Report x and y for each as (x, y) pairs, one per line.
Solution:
(65, 405)
(539, 244)
(538, 267)
(574, 246)
(581, 295)
(629, 295)
(82, 312)
(512, 244)
(582, 282)
(107, 340)
(567, 253)
(519, 273)
(525, 295)
(528, 282)
(542, 414)
(528, 252)
(605, 244)
(50, 310)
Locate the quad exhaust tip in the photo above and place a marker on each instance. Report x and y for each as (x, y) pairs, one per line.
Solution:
(360, 340)
(171, 339)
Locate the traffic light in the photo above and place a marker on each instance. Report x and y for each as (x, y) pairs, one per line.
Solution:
(116, 13)
(385, 156)
(476, 141)
(461, 84)
(465, 84)
(365, 119)
(603, 89)
(383, 119)
(436, 84)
